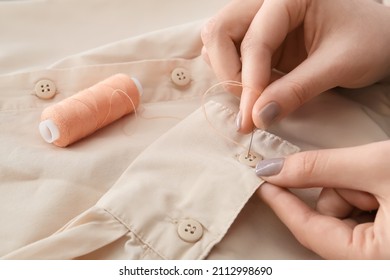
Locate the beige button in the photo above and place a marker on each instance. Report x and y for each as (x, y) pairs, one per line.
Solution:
(181, 77)
(45, 89)
(190, 230)
(251, 160)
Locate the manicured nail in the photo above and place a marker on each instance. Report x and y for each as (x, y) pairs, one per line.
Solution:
(269, 167)
(238, 121)
(269, 113)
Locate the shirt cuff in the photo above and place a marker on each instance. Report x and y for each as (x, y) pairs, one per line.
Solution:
(181, 195)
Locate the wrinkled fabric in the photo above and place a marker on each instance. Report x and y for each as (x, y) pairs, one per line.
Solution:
(122, 192)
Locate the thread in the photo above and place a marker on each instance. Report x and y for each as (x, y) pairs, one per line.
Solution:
(93, 108)
(89, 110)
(203, 101)
(150, 118)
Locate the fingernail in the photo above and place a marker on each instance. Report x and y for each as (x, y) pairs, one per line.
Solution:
(269, 113)
(269, 167)
(238, 121)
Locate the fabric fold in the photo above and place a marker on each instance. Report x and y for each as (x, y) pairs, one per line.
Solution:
(189, 173)
(87, 232)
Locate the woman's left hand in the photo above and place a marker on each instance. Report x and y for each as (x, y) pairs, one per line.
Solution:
(352, 178)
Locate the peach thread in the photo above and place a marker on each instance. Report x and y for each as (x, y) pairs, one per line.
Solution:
(203, 101)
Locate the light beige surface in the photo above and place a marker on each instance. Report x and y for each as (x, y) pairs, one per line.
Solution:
(123, 192)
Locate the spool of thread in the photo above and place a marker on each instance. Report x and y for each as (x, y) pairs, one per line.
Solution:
(89, 110)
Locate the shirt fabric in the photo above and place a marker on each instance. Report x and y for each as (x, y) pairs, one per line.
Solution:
(126, 191)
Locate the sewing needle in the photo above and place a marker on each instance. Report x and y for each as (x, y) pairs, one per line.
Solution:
(250, 144)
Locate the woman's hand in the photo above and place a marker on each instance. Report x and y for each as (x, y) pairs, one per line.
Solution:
(317, 44)
(352, 178)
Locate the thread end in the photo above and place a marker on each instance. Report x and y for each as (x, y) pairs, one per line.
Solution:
(49, 131)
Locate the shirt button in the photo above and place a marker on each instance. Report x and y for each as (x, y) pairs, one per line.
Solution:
(181, 77)
(190, 230)
(45, 89)
(250, 159)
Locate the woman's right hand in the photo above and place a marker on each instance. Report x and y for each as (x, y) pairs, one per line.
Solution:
(316, 44)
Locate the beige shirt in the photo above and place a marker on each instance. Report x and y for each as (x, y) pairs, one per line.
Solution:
(166, 184)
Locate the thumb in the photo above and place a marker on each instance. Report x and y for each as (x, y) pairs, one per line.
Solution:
(288, 93)
(363, 168)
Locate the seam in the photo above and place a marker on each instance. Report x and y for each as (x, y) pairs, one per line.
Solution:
(134, 232)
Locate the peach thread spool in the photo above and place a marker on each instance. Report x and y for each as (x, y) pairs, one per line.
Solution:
(89, 110)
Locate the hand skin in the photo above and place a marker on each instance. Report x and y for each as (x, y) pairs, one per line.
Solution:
(352, 178)
(315, 44)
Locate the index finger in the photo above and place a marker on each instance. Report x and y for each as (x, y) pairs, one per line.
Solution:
(361, 168)
(269, 28)
(223, 33)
